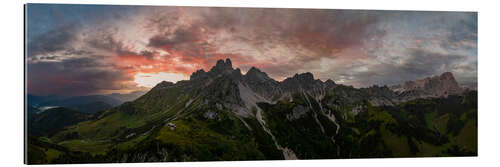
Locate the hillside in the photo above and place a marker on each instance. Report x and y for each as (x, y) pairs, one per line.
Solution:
(54, 119)
(222, 114)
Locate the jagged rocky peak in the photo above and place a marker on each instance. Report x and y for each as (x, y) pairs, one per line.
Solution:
(255, 75)
(442, 85)
(304, 76)
(448, 80)
(236, 74)
(330, 82)
(198, 74)
(222, 65)
(300, 78)
(301, 81)
(254, 71)
(228, 62)
(447, 75)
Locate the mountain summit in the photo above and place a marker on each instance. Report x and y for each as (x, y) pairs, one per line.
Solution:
(436, 86)
(222, 66)
(225, 115)
(259, 84)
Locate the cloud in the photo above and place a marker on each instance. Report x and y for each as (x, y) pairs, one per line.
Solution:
(354, 47)
(58, 39)
(463, 34)
(67, 61)
(419, 63)
(322, 32)
(262, 36)
(81, 76)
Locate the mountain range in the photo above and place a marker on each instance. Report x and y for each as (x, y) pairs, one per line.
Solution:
(222, 114)
(87, 104)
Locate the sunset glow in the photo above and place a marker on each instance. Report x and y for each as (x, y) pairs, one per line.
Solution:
(80, 49)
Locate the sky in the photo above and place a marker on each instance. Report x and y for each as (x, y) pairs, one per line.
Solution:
(99, 49)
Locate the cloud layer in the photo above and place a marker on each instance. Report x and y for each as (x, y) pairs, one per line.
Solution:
(99, 49)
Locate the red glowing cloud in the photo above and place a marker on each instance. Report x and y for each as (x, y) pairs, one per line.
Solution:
(352, 47)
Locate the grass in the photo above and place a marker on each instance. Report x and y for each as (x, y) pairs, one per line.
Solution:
(52, 154)
(130, 143)
(90, 146)
(468, 136)
(436, 122)
(380, 115)
(406, 130)
(428, 150)
(36, 155)
(441, 123)
(397, 144)
(194, 138)
(356, 130)
(180, 136)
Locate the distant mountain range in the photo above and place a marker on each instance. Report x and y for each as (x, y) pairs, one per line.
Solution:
(222, 114)
(436, 86)
(86, 104)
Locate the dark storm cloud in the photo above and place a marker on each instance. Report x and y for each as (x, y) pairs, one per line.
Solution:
(466, 29)
(72, 51)
(186, 42)
(420, 63)
(147, 53)
(57, 66)
(320, 31)
(57, 39)
(463, 34)
(81, 76)
(353, 47)
(105, 40)
(308, 35)
(178, 37)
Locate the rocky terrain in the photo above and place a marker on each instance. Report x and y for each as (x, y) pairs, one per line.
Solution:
(436, 86)
(222, 114)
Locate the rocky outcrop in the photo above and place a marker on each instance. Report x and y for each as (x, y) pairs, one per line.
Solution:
(436, 86)
(228, 87)
(198, 75)
(304, 81)
(222, 67)
(261, 83)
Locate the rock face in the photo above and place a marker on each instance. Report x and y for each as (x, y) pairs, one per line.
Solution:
(256, 86)
(225, 115)
(222, 67)
(304, 81)
(260, 82)
(436, 86)
(197, 75)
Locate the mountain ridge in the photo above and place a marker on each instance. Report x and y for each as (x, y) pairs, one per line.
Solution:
(222, 114)
(265, 86)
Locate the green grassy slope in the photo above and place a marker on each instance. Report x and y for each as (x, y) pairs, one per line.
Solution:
(139, 131)
(53, 120)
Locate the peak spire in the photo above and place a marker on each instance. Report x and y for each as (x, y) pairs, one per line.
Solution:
(221, 64)
(221, 67)
(228, 62)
